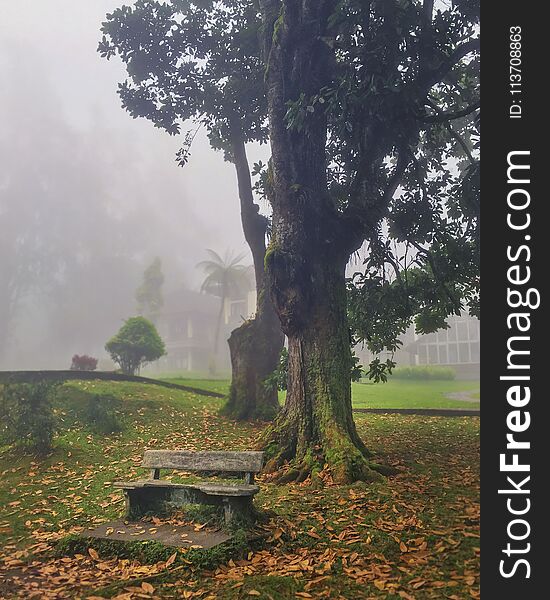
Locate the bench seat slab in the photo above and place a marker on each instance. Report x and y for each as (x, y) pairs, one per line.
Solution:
(211, 489)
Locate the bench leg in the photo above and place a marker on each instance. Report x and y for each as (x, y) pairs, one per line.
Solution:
(237, 507)
(139, 502)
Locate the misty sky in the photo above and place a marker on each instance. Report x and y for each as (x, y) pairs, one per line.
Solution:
(90, 188)
(55, 41)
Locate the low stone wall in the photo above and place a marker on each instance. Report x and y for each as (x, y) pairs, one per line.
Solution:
(68, 375)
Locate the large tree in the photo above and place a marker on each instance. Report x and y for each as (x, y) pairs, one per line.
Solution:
(370, 108)
(200, 62)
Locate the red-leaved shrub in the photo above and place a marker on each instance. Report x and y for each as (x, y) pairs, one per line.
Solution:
(83, 363)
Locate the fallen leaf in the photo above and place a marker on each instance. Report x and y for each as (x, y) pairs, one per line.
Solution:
(171, 559)
(93, 553)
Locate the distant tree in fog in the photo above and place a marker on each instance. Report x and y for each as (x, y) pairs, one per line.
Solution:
(149, 294)
(83, 362)
(226, 278)
(68, 239)
(136, 343)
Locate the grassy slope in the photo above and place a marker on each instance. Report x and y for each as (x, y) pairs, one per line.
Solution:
(394, 394)
(413, 536)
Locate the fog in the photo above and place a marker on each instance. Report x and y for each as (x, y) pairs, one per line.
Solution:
(89, 196)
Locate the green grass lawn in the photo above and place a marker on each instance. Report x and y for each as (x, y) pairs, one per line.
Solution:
(415, 535)
(399, 393)
(396, 393)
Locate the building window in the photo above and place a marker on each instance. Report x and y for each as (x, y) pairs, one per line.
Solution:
(462, 330)
(463, 353)
(422, 354)
(453, 354)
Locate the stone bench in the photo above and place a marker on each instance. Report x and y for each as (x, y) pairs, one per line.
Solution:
(155, 495)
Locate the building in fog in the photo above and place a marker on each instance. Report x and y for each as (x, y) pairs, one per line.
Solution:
(456, 347)
(188, 322)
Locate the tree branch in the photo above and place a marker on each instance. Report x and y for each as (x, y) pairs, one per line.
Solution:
(461, 143)
(431, 77)
(441, 116)
(428, 9)
(254, 224)
(452, 132)
(395, 178)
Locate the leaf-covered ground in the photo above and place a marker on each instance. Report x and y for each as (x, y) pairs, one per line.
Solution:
(413, 536)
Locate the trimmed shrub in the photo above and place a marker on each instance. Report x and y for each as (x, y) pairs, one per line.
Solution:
(26, 415)
(136, 343)
(424, 373)
(83, 363)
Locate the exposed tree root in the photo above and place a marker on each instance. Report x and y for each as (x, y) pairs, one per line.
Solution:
(346, 462)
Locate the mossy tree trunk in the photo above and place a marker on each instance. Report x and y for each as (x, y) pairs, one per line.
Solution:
(255, 346)
(306, 260)
(316, 425)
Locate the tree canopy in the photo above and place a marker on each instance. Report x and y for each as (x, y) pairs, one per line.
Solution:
(191, 61)
(225, 277)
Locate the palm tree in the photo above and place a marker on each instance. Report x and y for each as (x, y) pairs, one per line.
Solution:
(226, 278)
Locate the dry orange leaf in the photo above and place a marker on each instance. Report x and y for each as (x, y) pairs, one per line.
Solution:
(312, 534)
(147, 587)
(93, 553)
